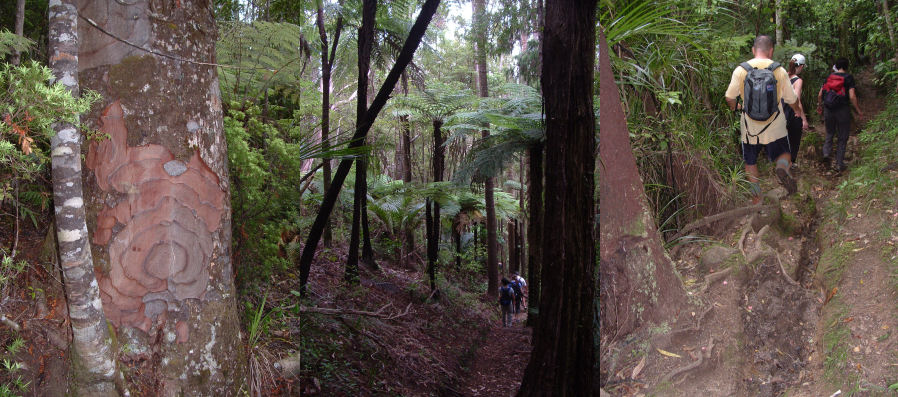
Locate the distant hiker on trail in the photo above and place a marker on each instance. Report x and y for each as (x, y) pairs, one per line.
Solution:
(834, 101)
(518, 288)
(763, 86)
(506, 297)
(796, 123)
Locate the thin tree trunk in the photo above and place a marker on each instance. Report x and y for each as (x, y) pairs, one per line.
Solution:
(433, 235)
(409, 232)
(160, 194)
(779, 22)
(456, 236)
(512, 246)
(330, 197)
(360, 199)
(562, 360)
(95, 366)
(534, 232)
(492, 257)
(327, 64)
(888, 15)
(19, 29)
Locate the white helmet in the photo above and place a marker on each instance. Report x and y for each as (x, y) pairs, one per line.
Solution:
(799, 59)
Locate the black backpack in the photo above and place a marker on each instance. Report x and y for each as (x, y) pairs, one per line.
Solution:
(760, 94)
(516, 285)
(505, 295)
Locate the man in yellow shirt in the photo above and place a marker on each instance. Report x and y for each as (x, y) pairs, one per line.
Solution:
(770, 132)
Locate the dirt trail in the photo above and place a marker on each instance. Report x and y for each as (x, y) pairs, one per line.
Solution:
(496, 366)
(798, 302)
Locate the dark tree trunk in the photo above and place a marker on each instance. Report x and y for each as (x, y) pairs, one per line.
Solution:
(330, 198)
(562, 360)
(19, 29)
(492, 254)
(158, 194)
(632, 255)
(360, 197)
(534, 232)
(408, 233)
(456, 236)
(512, 246)
(433, 232)
(327, 65)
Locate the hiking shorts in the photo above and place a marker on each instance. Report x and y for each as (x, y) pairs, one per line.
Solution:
(775, 149)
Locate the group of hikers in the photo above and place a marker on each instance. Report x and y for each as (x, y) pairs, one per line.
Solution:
(511, 298)
(765, 88)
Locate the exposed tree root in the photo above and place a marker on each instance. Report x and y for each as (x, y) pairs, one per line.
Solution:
(785, 274)
(693, 365)
(735, 213)
(714, 277)
(745, 231)
(380, 313)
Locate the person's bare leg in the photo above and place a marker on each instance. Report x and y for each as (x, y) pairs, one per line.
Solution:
(783, 173)
(754, 185)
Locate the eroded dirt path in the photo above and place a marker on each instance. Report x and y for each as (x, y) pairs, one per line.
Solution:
(498, 359)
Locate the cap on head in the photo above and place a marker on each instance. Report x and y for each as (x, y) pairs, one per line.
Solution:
(799, 59)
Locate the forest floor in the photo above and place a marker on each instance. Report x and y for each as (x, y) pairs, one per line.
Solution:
(453, 345)
(797, 298)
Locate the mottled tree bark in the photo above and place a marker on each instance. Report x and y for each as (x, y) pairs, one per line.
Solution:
(330, 197)
(492, 254)
(638, 280)
(95, 366)
(360, 196)
(778, 5)
(561, 363)
(158, 192)
(19, 29)
(327, 66)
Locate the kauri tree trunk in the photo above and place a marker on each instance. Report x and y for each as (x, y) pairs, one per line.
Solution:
(638, 281)
(492, 250)
(94, 364)
(562, 360)
(327, 66)
(330, 197)
(159, 202)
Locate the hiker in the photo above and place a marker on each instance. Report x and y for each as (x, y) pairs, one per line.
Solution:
(506, 296)
(796, 124)
(834, 101)
(763, 86)
(520, 280)
(518, 292)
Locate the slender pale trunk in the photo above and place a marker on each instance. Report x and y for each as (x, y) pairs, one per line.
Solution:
(888, 15)
(95, 362)
(562, 360)
(779, 22)
(492, 254)
(19, 29)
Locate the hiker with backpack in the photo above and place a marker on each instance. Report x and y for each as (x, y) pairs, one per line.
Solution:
(515, 284)
(763, 86)
(796, 124)
(835, 101)
(506, 297)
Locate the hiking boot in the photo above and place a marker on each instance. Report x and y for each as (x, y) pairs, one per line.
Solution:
(786, 180)
(841, 168)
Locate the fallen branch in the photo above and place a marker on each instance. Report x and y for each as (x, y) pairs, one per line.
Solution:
(734, 213)
(380, 313)
(10, 323)
(745, 231)
(693, 365)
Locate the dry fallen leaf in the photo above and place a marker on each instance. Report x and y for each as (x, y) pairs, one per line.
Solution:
(638, 368)
(669, 354)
